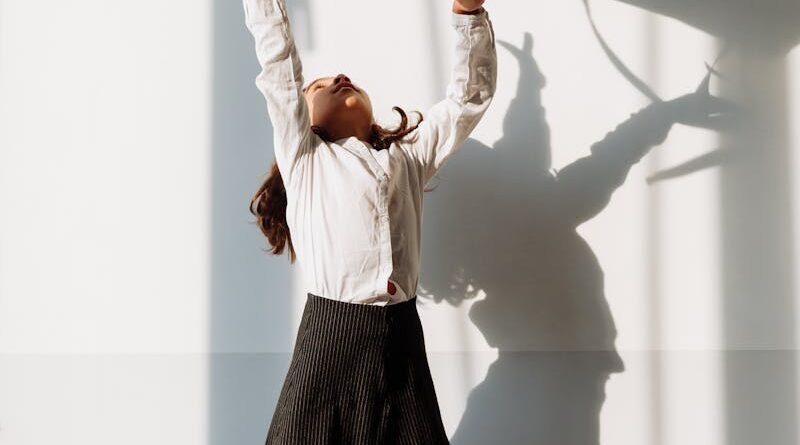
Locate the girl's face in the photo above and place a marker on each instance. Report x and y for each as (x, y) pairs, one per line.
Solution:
(336, 104)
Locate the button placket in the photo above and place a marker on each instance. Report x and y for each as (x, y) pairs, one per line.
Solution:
(384, 231)
(384, 224)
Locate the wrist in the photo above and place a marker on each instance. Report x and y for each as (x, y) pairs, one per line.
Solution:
(468, 7)
(465, 12)
(666, 110)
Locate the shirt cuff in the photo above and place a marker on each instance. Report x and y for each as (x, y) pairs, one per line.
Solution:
(467, 19)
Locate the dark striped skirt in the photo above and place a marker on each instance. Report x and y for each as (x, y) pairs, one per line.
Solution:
(358, 376)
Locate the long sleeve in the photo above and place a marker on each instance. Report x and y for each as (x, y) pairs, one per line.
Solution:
(280, 81)
(472, 84)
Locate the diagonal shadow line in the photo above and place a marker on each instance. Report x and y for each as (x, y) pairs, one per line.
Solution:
(705, 161)
(617, 61)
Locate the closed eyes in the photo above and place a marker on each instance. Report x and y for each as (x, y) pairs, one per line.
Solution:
(313, 87)
(317, 86)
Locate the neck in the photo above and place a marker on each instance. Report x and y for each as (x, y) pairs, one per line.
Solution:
(363, 133)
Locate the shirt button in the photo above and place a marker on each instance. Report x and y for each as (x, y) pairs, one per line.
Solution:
(391, 288)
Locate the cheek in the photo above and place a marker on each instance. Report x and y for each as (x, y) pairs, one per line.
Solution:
(310, 106)
(322, 103)
(317, 109)
(310, 110)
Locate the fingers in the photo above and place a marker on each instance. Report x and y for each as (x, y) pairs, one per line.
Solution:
(705, 111)
(700, 103)
(716, 103)
(721, 122)
(704, 85)
(710, 119)
(527, 45)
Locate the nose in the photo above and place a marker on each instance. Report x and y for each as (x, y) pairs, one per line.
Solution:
(341, 77)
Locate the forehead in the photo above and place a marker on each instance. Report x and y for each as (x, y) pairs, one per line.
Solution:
(320, 79)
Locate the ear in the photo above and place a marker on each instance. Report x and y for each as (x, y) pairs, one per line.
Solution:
(321, 132)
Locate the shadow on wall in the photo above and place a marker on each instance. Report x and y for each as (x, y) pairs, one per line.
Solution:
(767, 26)
(250, 305)
(545, 309)
(757, 264)
(504, 223)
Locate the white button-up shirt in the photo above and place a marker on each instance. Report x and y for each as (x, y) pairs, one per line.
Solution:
(355, 213)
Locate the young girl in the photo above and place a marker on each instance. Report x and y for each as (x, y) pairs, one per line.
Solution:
(344, 195)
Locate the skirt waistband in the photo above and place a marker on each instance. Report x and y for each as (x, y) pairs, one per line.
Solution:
(358, 310)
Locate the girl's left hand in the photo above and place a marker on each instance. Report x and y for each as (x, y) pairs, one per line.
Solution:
(467, 6)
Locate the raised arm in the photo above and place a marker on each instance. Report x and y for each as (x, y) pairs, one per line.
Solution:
(472, 85)
(280, 80)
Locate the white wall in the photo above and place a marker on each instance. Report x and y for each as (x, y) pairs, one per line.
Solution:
(136, 304)
(104, 197)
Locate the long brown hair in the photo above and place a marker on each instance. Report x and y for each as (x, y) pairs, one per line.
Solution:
(268, 204)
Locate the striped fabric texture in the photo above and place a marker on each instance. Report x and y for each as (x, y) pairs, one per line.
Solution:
(358, 376)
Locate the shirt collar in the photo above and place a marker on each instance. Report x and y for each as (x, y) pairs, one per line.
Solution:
(353, 143)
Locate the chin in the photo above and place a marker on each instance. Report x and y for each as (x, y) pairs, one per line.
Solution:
(355, 107)
(353, 101)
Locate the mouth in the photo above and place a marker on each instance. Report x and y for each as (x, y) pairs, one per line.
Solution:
(344, 84)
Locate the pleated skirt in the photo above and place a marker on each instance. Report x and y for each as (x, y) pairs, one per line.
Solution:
(358, 376)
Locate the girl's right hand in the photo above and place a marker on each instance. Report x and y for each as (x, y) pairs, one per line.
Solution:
(701, 109)
(467, 6)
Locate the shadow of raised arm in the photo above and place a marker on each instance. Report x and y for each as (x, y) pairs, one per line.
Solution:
(584, 187)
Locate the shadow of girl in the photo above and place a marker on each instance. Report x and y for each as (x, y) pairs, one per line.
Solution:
(504, 223)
